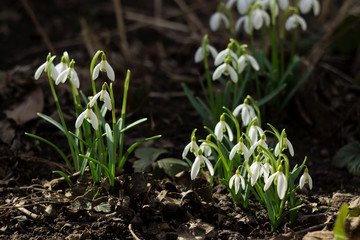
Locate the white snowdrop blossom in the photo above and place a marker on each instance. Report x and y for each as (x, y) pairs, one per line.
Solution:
(254, 132)
(103, 66)
(90, 116)
(243, 21)
(225, 69)
(62, 65)
(200, 162)
(43, 68)
(243, 6)
(104, 96)
(69, 73)
(255, 170)
(286, 144)
(269, 4)
(259, 17)
(236, 179)
(244, 60)
(199, 54)
(222, 127)
(266, 170)
(241, 149)
(295, 20)
(216, 19)
(280, 179)
(306, 5)
(283, 4)
(260, 142)
(192, 146)
(206, 149)
(306, 178)
(223, 55)
(247, 112)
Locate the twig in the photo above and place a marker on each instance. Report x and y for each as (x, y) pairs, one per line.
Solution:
(132, 233)
(191, 17)
(121, 28)
(41, 31)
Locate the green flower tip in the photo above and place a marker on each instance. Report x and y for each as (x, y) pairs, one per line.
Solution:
(72, 63)
(208, 137)
(199, 152)
(258, 158)
(222, 117)
(104, 86)
(237, 172)
(103, 56)
(88, 106)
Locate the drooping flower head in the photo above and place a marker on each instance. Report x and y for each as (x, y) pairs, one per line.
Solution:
(284, 144)
(236, 179)
(280, 179)
(104, 96)
(241, 149)
(222, 127)
(199, 54)
(200, 162)
(247, 112)
(294, 21)
(43, 68)
(216, 19)
(259, 18)
(266, 169)
(192, 146)
(245, 59)
(69, 73)
(306, 5)
(306, 178)
(90, 116)
(63, 64)
(206, 149)
(103, 66)
(255, 170)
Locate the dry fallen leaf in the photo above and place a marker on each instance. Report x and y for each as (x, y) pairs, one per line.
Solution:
(28, 108)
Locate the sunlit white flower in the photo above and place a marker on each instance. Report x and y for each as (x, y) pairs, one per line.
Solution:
(90, 116)
(62, 65)
(236, 179)
(255, 170)
(104, 96)
(225, 69)
(243, 6)
(205, 148)
(199, 163)
(269, 4)
(254, 132)
(222, 127)
(69, 73)
(306, 178)
(103, 66)
(241, 149)
(286, 144)
(218, 18)
(192, 146)
(199, 55)
(259, 17)
(295, 20)
(247, 112)
(244, 60)
(260, 142)
(280, 179)
(223, 55)
(43, 67)
(266, 170)
(283, 4)
(306, 5)
(243, 21)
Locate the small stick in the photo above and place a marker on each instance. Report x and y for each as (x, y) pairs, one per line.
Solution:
(121, 28)
(41, 31)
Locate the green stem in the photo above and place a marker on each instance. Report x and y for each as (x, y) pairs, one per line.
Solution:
(112, 169)
(208, 79)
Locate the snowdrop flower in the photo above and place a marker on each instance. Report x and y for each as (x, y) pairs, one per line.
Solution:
(247, 112)
(284, 145)
(104, 96)
(259, 17)
(254, 132)
(243, 6)
(63, 64)
(260, 142)
(199, 163)
(269, 4)
(283, 4)
(69, 73)
(306, 5)
(255, 170)
(199, 54)
(192, 146)
(222, 127)
(244, 60)
(205, 148)
(266, 170)
(281, 182)
(225, 69)
(90, 116)
(241, 149)
(224, 54)
(236, 179)
(306, 178)
(295, 20)
(43, 68)
(103, 66)
(216, 19)
(244, 20)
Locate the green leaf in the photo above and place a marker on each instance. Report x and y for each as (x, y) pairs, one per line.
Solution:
(339, 228)
(172, 166)
(52, 121)
(132, 124)
(146, 157)
(271, 95)
(66, 177)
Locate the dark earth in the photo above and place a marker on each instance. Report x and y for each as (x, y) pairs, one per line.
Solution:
(161, 39)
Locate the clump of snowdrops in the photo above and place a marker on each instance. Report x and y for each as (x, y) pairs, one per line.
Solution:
(248, 165)
(245, 64)
(94, 143)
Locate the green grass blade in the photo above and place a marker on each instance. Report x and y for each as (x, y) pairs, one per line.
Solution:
(132, 124)
(271, 95)
(52, 121)
(66, 177)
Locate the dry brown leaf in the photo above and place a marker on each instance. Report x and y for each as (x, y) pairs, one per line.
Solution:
(28, 108)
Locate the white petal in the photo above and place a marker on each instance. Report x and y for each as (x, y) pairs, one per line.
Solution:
(240, 21)
(246, 25)
(209, 166)
(225, 20)
(310, 182)
(237, 184)
(231, 181)
(213, 51)
(245, 116)
(241, 63)
(305, 6)
(94, 98)
(186, 150)
(253, 134)
(281, 185)
(109, 71)
(302, 181)
(256, 19)
(80, 119)
(230, 133)
(265, 17)
(277, 149)
(238, 109)
(96, 71)
(40, 69)
(233, 74)
(75, 78)
(283, 4)
(233, 151)
(290, 147)
(253, 62)
(242, 7)
(215, 21)
(195, 168)
(60, 67)
(316, 7)
(302, 23)
(54, 72)
(94, 121)
(219, 131)
(107, 100)
(218, 71)
(242, 182)
(289, 24)
(220, 58)
(269, 181)
(199, 55)
(62, 77)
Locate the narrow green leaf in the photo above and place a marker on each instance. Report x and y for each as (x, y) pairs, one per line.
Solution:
(133, 124)
(52, 121)
(271, 95)
(65, 176)
(339, 228)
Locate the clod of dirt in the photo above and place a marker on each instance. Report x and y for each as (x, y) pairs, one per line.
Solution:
(319, 235)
